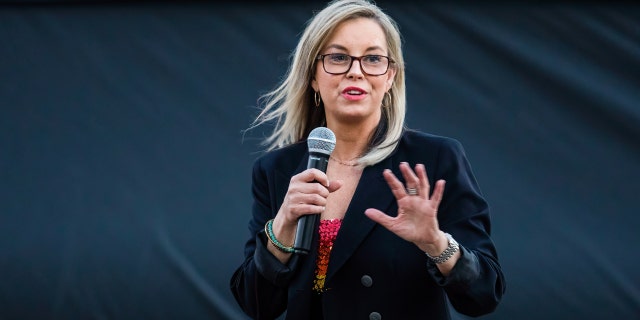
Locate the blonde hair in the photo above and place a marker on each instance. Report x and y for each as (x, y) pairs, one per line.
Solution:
(291, 105)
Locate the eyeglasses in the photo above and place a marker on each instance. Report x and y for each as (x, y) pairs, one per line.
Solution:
(340, 63)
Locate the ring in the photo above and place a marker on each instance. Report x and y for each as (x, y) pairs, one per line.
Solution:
(412, 191)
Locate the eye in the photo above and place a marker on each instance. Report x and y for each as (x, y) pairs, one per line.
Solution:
(338, 58)
(373, 59)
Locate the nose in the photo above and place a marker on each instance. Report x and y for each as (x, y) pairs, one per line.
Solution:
(355, 71)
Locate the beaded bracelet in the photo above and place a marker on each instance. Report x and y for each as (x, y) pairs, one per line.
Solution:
(268, 230)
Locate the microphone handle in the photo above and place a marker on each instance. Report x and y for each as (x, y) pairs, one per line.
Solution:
(308, 224)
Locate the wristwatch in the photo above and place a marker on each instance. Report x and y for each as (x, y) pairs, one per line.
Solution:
(452, 248)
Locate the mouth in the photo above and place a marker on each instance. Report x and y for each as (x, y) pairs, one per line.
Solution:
(353, 91)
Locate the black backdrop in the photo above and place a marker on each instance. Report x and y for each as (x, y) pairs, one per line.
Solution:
(125, 171)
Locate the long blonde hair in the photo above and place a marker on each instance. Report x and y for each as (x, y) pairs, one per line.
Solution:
(291, 105)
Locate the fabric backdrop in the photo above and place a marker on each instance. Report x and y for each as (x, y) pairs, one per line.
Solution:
(125, 161)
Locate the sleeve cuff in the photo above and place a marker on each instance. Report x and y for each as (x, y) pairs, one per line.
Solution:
(269, 266)
(464, 272)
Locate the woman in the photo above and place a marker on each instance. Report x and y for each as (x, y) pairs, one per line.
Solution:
(390, 244)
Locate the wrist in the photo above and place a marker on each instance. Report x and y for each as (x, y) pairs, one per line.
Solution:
(440, 255)
(435, 247)
(268, 230)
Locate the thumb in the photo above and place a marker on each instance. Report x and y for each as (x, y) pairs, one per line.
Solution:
(334, 185)
(379, 217)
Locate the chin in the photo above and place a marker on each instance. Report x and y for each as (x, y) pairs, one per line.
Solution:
(356, 116)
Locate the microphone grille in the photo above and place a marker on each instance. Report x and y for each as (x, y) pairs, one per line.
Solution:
(321, 140)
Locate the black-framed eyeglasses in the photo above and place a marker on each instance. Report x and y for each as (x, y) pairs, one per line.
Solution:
(340, 63)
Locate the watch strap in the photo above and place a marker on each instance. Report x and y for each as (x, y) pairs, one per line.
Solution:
(451, 249)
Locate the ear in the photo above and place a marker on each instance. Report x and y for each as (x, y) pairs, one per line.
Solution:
(314, 85)
(391, 75)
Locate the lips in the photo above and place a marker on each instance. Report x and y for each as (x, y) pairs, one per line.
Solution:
(353, 91)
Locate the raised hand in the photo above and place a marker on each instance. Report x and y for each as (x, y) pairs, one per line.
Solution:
(417, 211)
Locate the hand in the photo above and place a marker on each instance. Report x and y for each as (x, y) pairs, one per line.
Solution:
(417, 214)
(307, 194)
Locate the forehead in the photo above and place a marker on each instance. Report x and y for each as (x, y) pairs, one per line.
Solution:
(358, 34)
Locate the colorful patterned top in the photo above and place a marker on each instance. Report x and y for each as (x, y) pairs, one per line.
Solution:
(328, 231)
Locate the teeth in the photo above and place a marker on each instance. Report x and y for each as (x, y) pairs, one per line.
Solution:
(354, 92)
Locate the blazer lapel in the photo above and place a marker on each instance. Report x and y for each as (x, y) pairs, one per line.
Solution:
(372, 192)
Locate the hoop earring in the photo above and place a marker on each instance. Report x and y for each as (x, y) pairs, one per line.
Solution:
(316, 98)
(387, 97)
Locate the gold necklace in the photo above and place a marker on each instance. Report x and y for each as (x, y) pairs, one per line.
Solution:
(350, 163)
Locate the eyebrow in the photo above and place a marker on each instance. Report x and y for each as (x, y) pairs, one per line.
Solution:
(339, 47)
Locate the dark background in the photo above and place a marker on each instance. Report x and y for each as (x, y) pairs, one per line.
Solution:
(125, 167)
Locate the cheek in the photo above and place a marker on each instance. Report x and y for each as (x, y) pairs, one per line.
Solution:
(326, 82)
(382, 85)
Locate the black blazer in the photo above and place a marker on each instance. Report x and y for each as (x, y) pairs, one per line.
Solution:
(373, 273)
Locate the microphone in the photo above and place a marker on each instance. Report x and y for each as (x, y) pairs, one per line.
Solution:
(321, 143)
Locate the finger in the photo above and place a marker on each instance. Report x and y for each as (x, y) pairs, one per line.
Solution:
(312, 199)
(396, 186)
(410, 178)
(311, 175)
(304, 209)
(424, 181)
(379, 217)
(438, 191)
(308, 188)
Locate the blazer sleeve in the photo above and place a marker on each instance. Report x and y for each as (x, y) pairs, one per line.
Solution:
(260, 284)
(476, 283)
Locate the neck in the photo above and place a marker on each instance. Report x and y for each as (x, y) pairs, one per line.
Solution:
(351, 142)
(348, 163)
